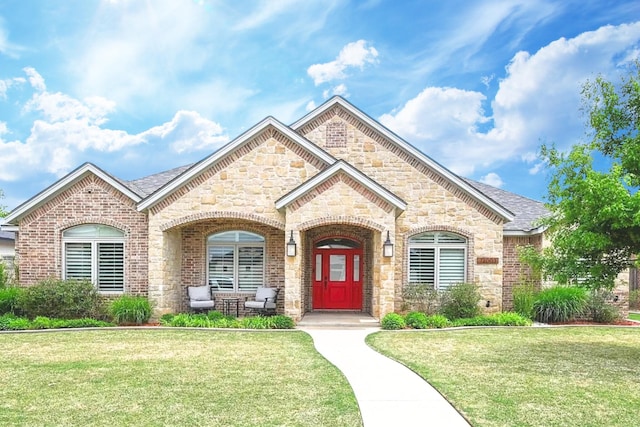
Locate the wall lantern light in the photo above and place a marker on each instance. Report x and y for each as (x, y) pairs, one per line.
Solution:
(488, 304)
(387, 247)
(291, 246)
(616, 298)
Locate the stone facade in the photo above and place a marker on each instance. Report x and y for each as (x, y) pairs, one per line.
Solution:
(254, 185)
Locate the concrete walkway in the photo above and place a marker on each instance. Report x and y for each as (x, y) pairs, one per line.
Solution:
(388, 393)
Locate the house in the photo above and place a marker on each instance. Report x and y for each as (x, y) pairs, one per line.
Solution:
(7, 246)
(335, 209)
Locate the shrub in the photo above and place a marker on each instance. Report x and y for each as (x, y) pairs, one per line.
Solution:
(5, 320)
(598, 308)
(524, 296)
(128, 309)
(634, 299)
(496, 319)
(393, 321)
(215, 315)
(9, 299)
(67, 299)
(559, 304)
(511, 319)
(416, 320)
(166, 318)
(4, 276)
(460, 301)
(282, 322)
(420, 298)
(437, 321)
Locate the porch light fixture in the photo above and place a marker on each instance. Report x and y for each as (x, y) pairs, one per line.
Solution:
(387, 247)
(488, 304)
(291, 246)
(616, 298)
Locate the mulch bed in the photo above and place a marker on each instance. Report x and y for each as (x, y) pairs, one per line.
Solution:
(588, 323)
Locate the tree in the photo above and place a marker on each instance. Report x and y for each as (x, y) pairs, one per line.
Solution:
(3, 211)
(595, 211)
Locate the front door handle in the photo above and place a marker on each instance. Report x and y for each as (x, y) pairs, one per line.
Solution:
(325, 282)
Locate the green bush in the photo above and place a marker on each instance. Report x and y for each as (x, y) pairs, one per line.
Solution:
(420, 297)
(9, 299)
(393, 321)
(166, 318)
(128, 309)
(5, 320)
(4, 276)
(215, 319)
(524, 295)
(599, 309)
(416, 320)
(282, 322)
(215, 315)
(634, 299)
(460, 301)
(65, 299)
(559, 304)
(437, 321)
(496, 319)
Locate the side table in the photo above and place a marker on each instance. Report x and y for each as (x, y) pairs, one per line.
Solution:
(227, 305)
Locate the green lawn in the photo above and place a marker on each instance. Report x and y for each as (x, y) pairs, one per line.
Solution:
(576, 376)
(634, 316)
(170, 378)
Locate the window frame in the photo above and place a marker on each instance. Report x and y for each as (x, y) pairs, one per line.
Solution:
(437, 248)
(237, 244)
(95, 241)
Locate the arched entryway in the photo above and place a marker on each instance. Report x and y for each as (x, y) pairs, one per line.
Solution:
(337, 274)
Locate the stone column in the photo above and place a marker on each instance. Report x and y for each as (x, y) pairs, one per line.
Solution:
(293, 277)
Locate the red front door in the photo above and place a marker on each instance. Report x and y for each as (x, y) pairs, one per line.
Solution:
(337, 279)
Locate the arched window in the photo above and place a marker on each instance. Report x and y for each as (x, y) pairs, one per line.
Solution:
(438, 259)
(95, 252)
(235, 261)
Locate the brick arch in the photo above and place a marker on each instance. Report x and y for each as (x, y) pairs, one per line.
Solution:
(341, 219)
(423, 229)
(221, 215)
(93, 220)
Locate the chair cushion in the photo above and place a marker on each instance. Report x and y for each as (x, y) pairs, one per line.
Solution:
(201, 304)
(259, 304)
(199, 293)
(263, 293)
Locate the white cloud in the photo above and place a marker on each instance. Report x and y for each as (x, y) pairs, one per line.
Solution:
(310, 106)
(538, 100)
(492, 179)
(67, 127)
(6, 47)
(35, 79)
(353, 55)
(6, 84)
(266, 11)
(188, 132)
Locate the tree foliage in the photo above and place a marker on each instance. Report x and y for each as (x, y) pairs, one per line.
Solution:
(3, 209)
(595, 210)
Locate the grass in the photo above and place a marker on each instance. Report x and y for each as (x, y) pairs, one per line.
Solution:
(170, 377)
(634, 316)
(573, 376)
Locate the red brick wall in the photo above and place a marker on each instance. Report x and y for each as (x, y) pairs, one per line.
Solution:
(194, 260)
(514, 271)
(89, 201)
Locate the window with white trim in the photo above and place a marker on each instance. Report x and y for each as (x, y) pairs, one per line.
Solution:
(95, 252)
(438, 259)
(235, 261)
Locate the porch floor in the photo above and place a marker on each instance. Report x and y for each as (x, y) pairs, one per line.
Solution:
(342, 319)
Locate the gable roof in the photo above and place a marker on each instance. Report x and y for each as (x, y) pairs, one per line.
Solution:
(63, 184)
(355, 174)
(196, 169)
(527, 212)
(410, 149)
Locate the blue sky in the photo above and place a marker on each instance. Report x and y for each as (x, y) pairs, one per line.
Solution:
(138, 87)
